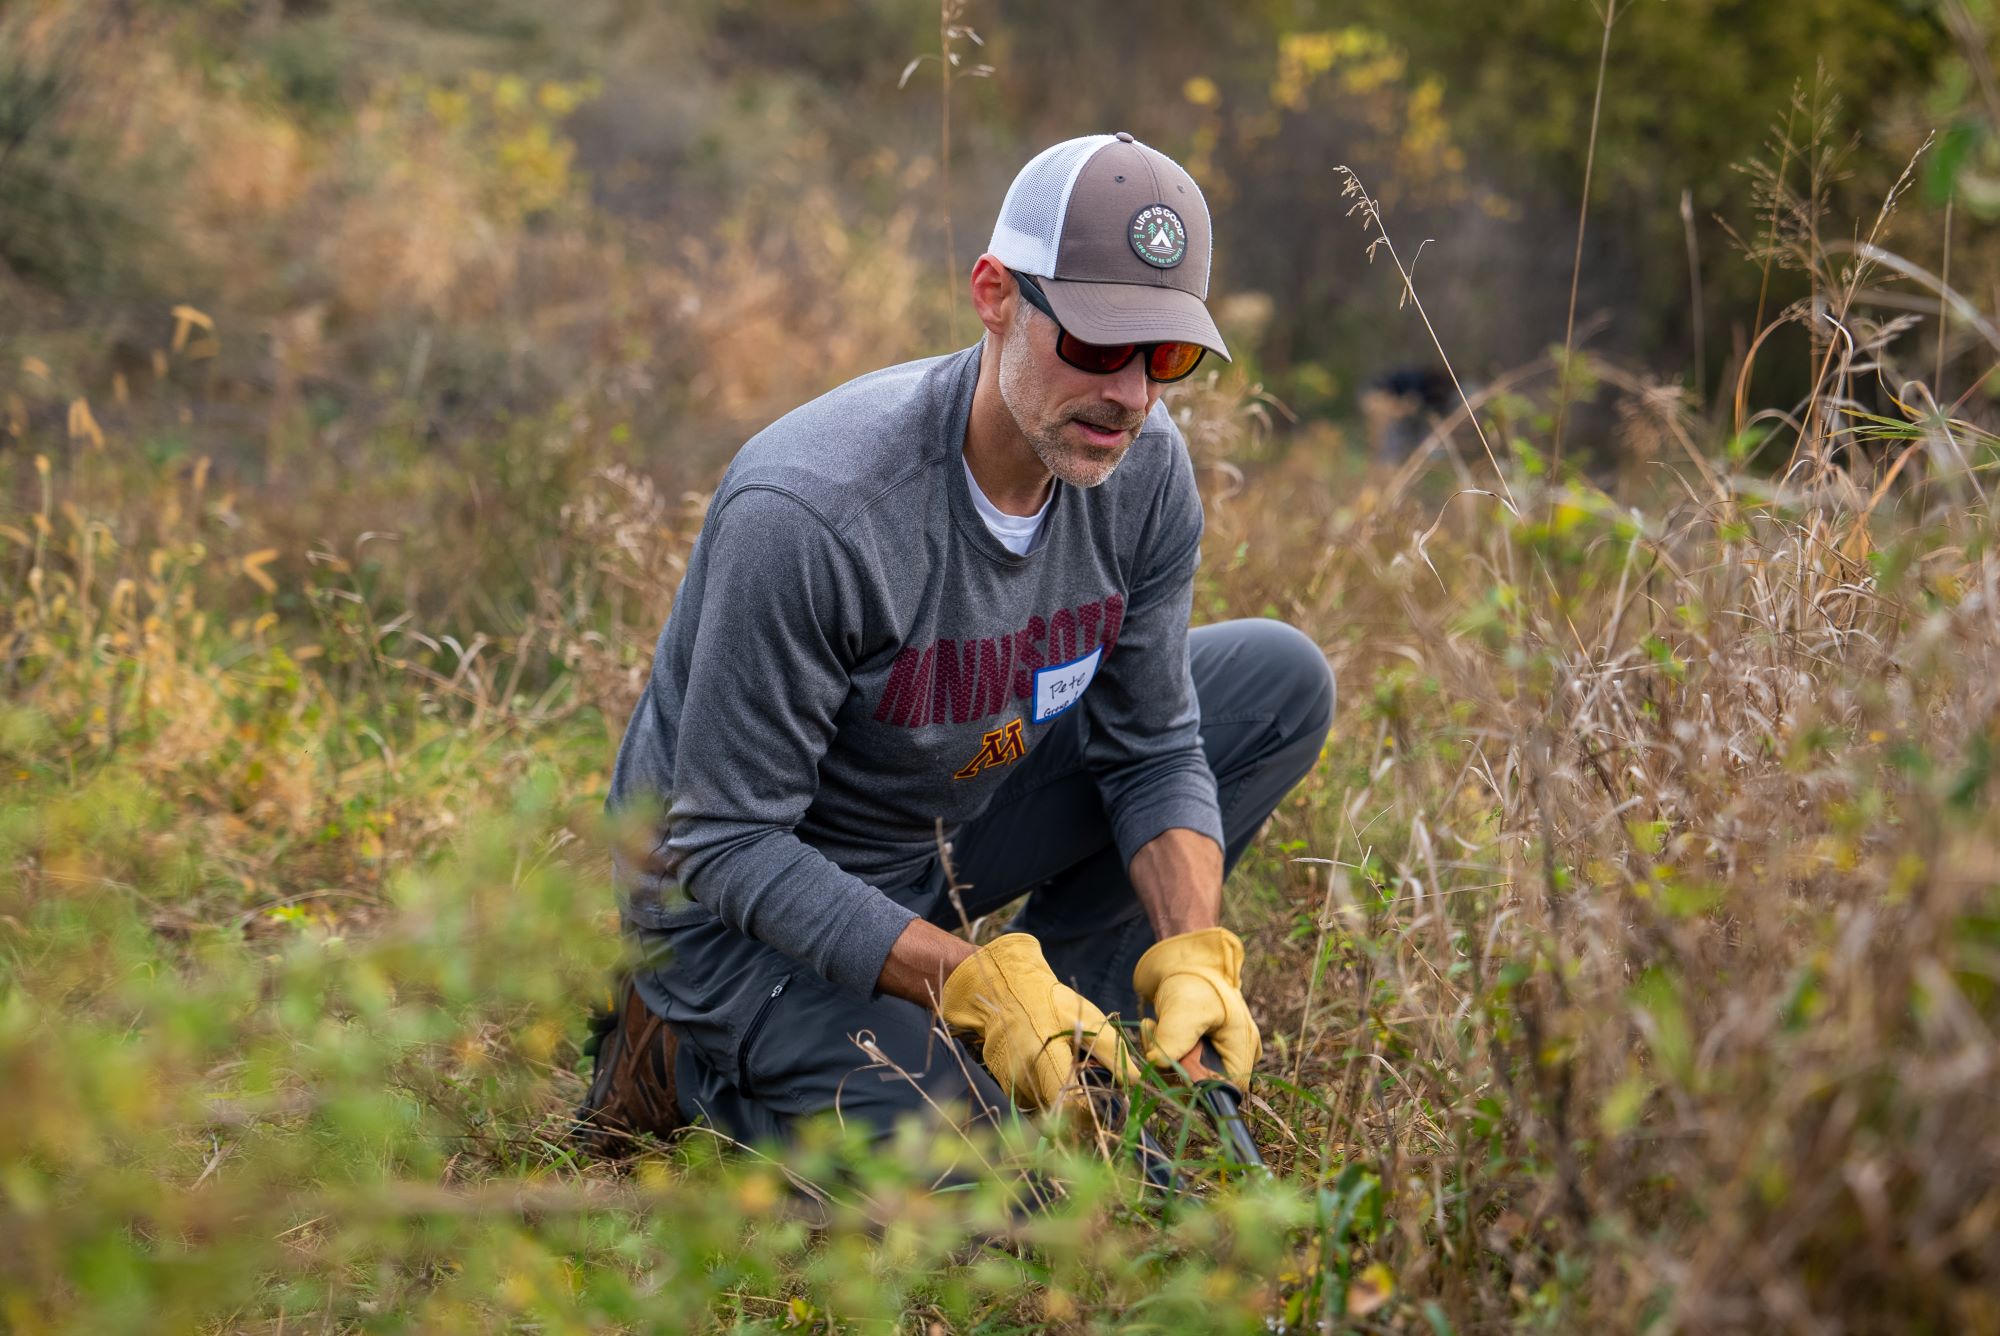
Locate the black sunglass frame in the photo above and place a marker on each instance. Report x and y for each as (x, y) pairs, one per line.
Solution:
(1040, 301)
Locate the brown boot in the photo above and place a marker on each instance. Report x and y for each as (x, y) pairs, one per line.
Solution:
(632, 1087)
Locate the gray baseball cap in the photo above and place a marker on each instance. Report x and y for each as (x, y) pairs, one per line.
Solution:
(1118, 233)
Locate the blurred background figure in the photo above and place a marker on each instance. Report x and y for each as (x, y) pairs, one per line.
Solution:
(1399, 408)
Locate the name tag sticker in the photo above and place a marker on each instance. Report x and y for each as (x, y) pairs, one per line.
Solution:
(1058, 688)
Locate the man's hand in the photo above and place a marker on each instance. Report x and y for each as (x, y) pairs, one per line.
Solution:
(1033, 1028)
(1193, 975)
(1194, 982)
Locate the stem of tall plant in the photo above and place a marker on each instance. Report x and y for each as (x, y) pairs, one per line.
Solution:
(1582, 216)
(1371, 214)
(946, 14)
(1694, 297)
(1944, 306)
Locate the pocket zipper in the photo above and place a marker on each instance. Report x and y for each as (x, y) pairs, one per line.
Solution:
(756, 1028)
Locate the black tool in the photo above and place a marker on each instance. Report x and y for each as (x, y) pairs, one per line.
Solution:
(1155, 1165)
(1223, 1101)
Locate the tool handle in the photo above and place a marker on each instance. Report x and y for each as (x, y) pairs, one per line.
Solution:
(1203, 1064)
(1224, 1102)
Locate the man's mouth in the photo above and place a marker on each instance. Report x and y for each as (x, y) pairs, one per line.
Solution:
(1099, 435)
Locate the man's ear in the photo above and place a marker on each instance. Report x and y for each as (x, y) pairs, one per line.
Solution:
(995, 295)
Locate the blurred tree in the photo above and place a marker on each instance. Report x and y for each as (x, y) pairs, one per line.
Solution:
(1692, 90)
(717, 117)
(62, 222)
(1966, 103)
(1471, 122)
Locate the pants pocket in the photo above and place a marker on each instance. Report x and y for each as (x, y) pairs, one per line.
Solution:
(755, 1028)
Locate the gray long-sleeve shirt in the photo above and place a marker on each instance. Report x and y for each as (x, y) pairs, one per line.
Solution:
(853, 656)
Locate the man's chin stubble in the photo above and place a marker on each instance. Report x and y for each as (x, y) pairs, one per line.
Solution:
(1080, 466)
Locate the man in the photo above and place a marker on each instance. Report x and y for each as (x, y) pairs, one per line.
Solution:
(955, 594)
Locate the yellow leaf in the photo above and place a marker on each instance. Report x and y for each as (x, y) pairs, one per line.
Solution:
(35, 367)
(1622, 1107)
(1568, 515)
(557, 99)
(17, 535)
(83, 426)
(254, 564)
(756, 1194)
(187, 319)
(1370, 1290)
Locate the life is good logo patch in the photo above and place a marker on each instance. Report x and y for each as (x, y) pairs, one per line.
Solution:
(1158, 236)
(1059, 687)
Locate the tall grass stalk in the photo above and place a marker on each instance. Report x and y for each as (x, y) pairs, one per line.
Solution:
(1371, 218)
(1610, 16)
(951, 31)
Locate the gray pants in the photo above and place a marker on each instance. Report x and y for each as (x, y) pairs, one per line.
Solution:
(765, 1041)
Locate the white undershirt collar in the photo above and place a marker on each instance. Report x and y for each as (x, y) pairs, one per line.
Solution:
(1015, 532)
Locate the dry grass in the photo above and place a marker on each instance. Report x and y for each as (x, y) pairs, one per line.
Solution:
(1653, 879)
(1631, 961)
(1634, 944)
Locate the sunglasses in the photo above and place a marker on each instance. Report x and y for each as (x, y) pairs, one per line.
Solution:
(1165, 362)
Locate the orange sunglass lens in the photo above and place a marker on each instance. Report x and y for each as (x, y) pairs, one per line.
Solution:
(1171, 361)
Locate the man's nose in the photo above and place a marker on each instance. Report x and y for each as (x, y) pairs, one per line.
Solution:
(1128, 387)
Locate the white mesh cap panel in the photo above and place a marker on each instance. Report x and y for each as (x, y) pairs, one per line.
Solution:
(1031, 217)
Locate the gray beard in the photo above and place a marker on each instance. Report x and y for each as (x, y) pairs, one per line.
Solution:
(1079, 466)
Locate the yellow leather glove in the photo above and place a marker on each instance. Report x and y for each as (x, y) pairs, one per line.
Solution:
(1032, 1026)
(1194, 982)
